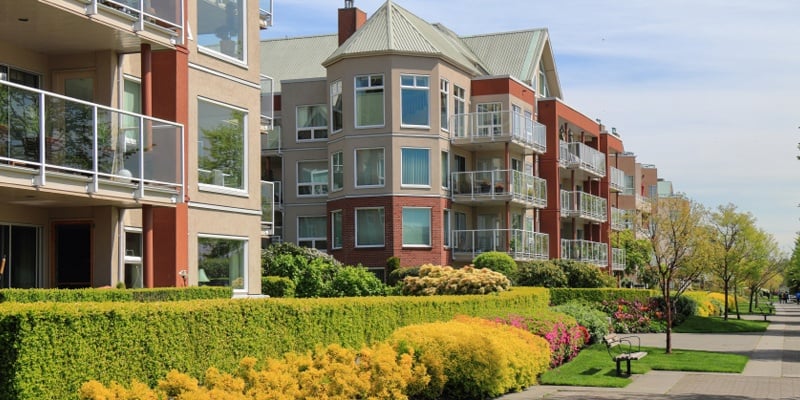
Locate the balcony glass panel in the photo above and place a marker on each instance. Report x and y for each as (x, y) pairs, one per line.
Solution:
(584, 205)
(579, 155)
(497, 183)
(617, 181)
(520, 244)
(585, 251)
(499, 126)
(618, 259)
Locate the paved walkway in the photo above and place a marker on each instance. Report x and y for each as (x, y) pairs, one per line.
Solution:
(773, 371)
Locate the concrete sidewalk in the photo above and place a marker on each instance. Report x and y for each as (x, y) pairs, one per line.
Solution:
(773, 371)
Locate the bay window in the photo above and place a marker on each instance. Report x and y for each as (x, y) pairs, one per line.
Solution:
(415, 167)
(414, 91)
(370, 227)
(369, 167)
(369, 101)
(416, 226)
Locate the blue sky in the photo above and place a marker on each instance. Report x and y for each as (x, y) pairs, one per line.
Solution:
(708, 91)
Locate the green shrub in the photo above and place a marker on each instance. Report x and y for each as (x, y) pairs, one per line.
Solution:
(182, 294)
(354, 282)
(563, 334)
(541, 273)
(685, 307)
(392, 264)
(401, 273)
(47, 350)
(436, 279)
(593, 319)
(499, 262)
(584, 275)
(277, 286)
(114, 295)
(598, 296)
(470, 358)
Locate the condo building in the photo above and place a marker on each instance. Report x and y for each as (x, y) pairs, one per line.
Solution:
(130, 143)
(396, 137)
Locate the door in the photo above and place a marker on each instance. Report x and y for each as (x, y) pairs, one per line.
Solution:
(72, 256)
(19, 256)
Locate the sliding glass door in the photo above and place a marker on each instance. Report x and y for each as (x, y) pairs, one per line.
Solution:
(20, 248)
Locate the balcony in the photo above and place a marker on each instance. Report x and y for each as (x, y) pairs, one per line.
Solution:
(267, 104)
(621, 219)
(159, 17)
(520, 245)
(617, 259)
(499, 186)
(617, 181)
(267, 208)
(583, 205)
(265, 16)
(585, 251)
(271, 141)
(491, 130)
(88, 150)
(577, 155)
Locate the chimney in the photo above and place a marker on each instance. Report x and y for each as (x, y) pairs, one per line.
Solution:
(350, 19)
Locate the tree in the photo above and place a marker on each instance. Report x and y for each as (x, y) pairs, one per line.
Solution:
(638, 253)
(679, 239)
(792, 277)
(766, 264)
(733, 241)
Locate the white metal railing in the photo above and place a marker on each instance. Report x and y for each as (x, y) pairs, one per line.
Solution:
(621, 219)
(48, 132)
(617, 259)
(584, 205)
(501, 184)
(579, 155)
(267, 205)
(164, 15)
(585, 251)
(499, 126)
(267, 103)
(266, 16)
(617, 181)
(520, 244)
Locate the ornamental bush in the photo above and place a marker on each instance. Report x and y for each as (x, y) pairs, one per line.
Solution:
(353, 282)
(497, 261)
(635, 316)
(562, 333)
(587, 315)
(542, 274)
(277, 286)
(584, 275)
(436, 279)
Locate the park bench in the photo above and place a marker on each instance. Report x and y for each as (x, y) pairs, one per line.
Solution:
(622, 349)
(768, 310)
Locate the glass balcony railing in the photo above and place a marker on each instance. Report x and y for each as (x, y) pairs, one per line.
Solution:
(501, 184)
(267, 103)
(47, 132)
(583, 205)
(520, 244)
(499, 126)
(585, 251)
(271, 139)
(579, 155)
(617, 181)
(145, 14)
(621, 219)
(617, 259)
(267, 205)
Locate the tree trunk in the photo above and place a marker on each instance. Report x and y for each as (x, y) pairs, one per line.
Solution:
(668, 303)
(736, 300)
(725, 307)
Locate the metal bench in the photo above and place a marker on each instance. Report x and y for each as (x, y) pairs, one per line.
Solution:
(622, 349)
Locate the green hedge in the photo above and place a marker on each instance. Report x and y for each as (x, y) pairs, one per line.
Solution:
(564, 295)
(113, 295)
(47, 350)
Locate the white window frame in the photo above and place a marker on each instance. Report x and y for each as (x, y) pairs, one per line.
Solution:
(494, 112)
(245, 252)
(333, 168)
(430, 228)
(402, 161)
(314, 192)
(445, 157)
(444, 105)
(382, 168)
(333, 230)
(132, 259)
(336, 90)
(245, 33)
(355, 226)
(460, 108)
(207, 187)
(446, 228)
(316, 132)
(419, 83)
(313, 239)
(357, 89)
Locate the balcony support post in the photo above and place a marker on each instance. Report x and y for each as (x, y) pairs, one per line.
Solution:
(147, 250)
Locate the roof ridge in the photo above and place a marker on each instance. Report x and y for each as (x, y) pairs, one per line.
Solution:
(504, 33)
(298, 37)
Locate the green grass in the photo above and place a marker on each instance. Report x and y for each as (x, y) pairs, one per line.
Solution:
(593, 366)
(695, 324)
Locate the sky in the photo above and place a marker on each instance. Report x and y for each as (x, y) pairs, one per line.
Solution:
(707, 90)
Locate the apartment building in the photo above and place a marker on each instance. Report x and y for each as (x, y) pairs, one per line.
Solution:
(129, 143)
(398, 137)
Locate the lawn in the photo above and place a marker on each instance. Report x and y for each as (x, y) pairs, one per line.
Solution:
(696, 324)
(593, 366)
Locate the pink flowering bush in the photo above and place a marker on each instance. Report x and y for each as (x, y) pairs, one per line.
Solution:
(561, 332)
(635, 316)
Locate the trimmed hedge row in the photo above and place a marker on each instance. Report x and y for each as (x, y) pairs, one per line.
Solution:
(113, 295)
(560, 296)
(48, 349)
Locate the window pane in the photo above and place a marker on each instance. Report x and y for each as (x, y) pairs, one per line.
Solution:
(220, 154)
(221, 262)
(336, 227)
(369, 227)
(370, 167)
(312, 178)
(445, 170)
(369, 107)
(415, 107)
(336, 106)
(337, 166)
(446, 227)
(220, 28)
(311, 227)
(416, 167)
(416, 226)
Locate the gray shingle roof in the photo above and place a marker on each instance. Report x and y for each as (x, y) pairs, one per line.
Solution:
(296, 58)
(510, 53)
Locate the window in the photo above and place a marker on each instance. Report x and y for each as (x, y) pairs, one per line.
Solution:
(221, 145)
(544, 90)
(446, 228)
(129, 125)
(336, 106)
(311, 233)
(221, 262)
(489, 119)
(369, 101)
(336, 229)
(369, 227)
(444, 101)
(337, 168)
(416, 226)
(630, 186)
(516, 120)
(312, 178)
(312, 123)
(221, 28)
(415, 167)
(414, 92)
(134, 274)
(445, 169)
(460, 164)
(369, 167)
(459, 108)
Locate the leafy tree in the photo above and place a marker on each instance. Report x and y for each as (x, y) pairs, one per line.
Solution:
(638, 253)
(792, 277)
(679, 240)
(767, 263)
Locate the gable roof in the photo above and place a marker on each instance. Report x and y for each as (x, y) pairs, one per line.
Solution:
(296, 58)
